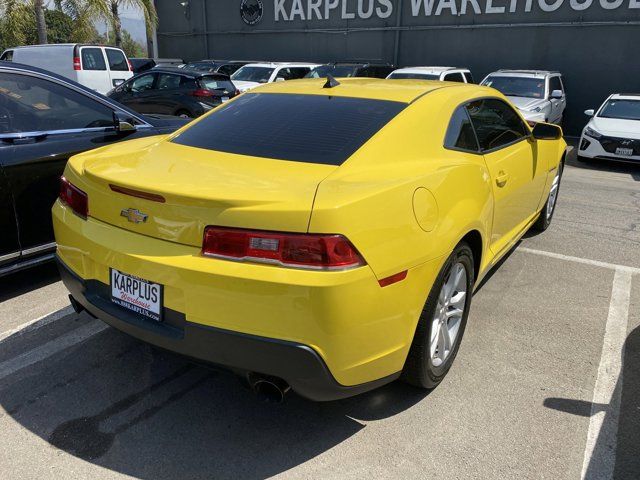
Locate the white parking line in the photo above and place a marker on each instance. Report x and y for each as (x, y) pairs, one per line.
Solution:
(37, 323)
(585, 261)
(11, 366)
(599, 463)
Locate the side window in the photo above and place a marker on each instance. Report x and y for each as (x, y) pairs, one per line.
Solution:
(460, 134)
(298, 72)
(555, 84)
(117, 60)
(469, 77)
(188, 83)
(168, 81)
(228, 69)
(496, 123)
(7, 56)
(454, 77)
(33, 104)
(284, 73)
(92, 59)
(142, 83)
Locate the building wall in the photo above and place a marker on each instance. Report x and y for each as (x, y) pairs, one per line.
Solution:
(594, 43)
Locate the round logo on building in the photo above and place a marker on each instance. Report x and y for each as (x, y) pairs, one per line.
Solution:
(251, 11)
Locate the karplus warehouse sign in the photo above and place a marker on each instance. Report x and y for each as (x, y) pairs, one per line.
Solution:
(594, 43)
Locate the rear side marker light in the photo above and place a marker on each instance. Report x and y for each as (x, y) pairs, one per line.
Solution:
(398, 277)
(306, 251)
(73, 197)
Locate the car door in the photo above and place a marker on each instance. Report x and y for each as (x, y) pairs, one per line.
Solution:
(136, 92)
(118, 65)
(166, 95)
(557, 104)
(517, 176)
(49, 122)
(9, 244)
(94, 73)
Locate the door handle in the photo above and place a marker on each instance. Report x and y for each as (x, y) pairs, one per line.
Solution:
(501, 179)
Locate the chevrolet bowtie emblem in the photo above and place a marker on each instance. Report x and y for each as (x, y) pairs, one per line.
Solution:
(134, 215)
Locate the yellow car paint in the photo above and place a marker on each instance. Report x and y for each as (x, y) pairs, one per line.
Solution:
(402, 199)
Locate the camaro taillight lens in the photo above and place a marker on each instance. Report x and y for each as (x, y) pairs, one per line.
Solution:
(310, 251)
(75, 198)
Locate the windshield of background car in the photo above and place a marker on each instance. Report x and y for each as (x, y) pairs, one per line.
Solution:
(333, 70)
(213, 83)
(414, 76)
(303, 128)
(253, 74)
(623, 109)
(517, 86)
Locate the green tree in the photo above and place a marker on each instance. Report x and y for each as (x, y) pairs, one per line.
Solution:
(113, 8)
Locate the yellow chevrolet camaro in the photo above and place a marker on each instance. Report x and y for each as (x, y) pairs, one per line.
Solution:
(314, 235)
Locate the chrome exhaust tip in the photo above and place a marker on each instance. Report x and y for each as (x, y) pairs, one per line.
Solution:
(269, 389)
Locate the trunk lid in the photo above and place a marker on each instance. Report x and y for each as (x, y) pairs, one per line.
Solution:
(188, 188)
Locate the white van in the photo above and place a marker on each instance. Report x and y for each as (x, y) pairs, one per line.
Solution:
(98, 67)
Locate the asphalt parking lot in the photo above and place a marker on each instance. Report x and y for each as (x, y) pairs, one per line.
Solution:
(546, 384)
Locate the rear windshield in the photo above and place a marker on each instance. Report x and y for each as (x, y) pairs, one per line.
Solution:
(304, 128)
(414, 76)
(213, 83)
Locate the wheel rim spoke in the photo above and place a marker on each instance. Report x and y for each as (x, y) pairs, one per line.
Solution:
(447, 317)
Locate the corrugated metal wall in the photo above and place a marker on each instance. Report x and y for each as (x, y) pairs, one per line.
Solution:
(596, 48)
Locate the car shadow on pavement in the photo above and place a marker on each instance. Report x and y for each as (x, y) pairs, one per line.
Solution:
(608, 166)
(627, 421)
(16, 284)
(127, 407)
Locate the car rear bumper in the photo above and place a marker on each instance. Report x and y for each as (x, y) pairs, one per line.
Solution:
(299, 365)
(354, 330)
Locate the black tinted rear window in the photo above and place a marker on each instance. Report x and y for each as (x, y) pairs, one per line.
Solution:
(304, 128)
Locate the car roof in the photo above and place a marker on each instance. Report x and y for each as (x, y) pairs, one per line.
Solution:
(207, 60)
(432, 70)
(626, 96)
(281, 64)
(186, 72)
(525, 73)
(358, 64)
(405, 91)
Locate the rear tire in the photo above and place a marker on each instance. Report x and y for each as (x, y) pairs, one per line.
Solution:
(427, 362)
(546, 215)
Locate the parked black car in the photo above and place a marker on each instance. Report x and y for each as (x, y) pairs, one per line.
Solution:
(45, 119)
(174, 91)
(227, 67)
(346, 69)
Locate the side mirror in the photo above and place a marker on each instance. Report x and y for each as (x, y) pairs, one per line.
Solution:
(590, 113)
(557, 94)
(123, 123)
(547, 131)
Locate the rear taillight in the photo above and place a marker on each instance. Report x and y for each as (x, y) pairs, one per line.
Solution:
(202, 92)
(130, 66)
(315, 252)
(76, 63)
(75, 198)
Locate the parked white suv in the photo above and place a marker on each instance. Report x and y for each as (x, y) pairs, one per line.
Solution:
(613, 133)
(254, 74)
(95, 66)
(445, 74)
(538, 94)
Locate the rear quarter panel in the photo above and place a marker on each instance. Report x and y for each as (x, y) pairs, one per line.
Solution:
(370, 199)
